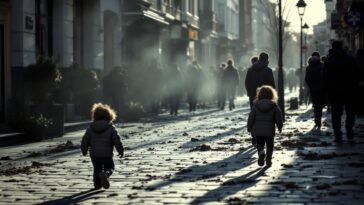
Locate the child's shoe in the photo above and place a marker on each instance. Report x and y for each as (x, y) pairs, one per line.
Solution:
(261, 159)
(104, 180)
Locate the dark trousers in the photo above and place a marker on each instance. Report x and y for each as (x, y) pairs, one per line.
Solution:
(230, 95)
(337, 109)
(318, 100)
(220, 97)
(102, 165)
(251, 100)
(265, 141)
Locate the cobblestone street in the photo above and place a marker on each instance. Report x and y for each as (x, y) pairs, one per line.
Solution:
(203, 157)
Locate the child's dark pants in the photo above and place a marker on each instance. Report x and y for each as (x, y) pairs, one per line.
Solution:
(102, 164)
(261, 142)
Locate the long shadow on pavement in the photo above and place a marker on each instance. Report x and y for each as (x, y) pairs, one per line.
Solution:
(75, 198)
(194, 173)
(167, 136)
(234, 185)
(212, 138)
(163, 120)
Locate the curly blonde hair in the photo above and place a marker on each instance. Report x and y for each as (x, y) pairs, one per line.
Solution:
(102, 111)
(267, 92)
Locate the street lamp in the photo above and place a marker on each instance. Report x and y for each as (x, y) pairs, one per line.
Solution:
(305, 27)
(301, 5)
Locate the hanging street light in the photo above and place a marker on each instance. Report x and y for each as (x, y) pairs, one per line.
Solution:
(301, 5)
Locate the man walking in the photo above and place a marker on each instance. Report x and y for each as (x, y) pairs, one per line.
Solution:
(314, 81)
(230, 79)
(258, 74)
(340, 83)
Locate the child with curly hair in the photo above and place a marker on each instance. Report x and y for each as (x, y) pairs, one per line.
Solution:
(262, 121)
(100, 139)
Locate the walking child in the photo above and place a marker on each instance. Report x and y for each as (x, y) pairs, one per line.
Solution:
(262, 121)
(100, 139)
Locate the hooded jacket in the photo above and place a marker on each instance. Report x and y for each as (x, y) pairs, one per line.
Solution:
(101, 138)
(314, 74)
(258, 74)
(263, 118)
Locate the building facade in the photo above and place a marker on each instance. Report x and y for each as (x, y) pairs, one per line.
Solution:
(261, 27)
(97, 35)
(208, 35)
(227, 16)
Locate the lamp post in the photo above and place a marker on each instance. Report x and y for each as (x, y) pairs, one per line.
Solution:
(305, 28)
(301, 5)
(280, 62)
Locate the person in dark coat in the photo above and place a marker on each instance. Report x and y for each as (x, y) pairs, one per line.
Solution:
(340, 83)
(314, 80)
(230, 80)
(100, 139)
(194, 75)
(262, 121)
(258, 74)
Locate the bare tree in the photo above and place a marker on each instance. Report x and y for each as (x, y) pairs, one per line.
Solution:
(269, 19)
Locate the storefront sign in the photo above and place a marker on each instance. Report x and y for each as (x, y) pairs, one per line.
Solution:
(192, 34)
(354, 19)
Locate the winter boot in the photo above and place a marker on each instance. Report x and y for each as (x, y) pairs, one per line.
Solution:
(268, 161)
(104, 180)
(261, 158)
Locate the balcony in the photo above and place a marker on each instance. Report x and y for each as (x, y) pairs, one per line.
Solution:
(171, 11)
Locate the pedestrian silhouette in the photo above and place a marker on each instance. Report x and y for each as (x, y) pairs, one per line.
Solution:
(258, 74)
(340, 83)
(230, 80)
(314, 80)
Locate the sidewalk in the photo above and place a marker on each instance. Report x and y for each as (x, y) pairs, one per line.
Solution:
(204, 157)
